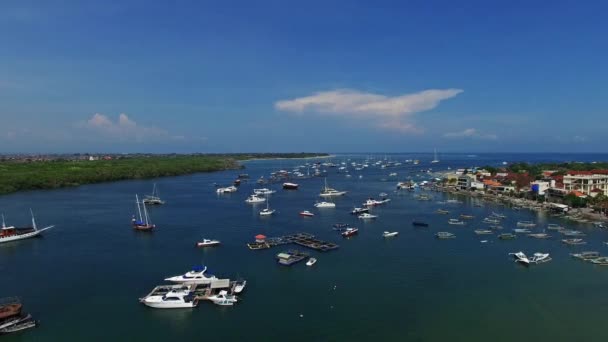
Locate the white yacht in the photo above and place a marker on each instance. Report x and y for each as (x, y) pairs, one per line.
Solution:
(330, 192)
(195, 276)
(325, 205)
(226, 190)
(208, 243)
(367, 216)
(179, 297)
(255, 199)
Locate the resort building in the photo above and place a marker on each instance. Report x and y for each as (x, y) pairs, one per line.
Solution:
(590, 183)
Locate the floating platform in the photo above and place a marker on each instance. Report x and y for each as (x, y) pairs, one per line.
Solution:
(301, 239)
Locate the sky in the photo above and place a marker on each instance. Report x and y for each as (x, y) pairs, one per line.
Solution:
(291, 76)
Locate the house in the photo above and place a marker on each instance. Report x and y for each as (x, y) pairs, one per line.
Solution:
(465, 180)
(541, 187)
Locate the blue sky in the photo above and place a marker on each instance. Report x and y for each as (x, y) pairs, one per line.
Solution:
(335, 76)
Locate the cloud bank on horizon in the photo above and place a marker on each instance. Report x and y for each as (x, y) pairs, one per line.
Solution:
(471, 133)
(391, 112)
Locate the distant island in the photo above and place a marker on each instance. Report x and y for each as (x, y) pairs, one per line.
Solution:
(38, 172)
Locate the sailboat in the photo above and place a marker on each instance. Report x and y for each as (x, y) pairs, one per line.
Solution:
(329, 192)
(435, 160)
(12, 233)
(144, 221)
(154, 197)
(267, 211)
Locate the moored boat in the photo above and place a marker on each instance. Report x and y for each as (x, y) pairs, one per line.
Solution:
(586, 255)
(526, 224)
(11, 233)
(420, 224)
(539, 235)
(223, 298)
(367, 216)
(330, 192)
(325, 205)
(311, 261)
(445, 235)
(350, 232)
(573, 241)
(207, 243)
(358, 211)
(290, 186)
(306, 213)
(154, 198)
(255, 199)
(143, 224)
(483, 231)
(179, 297)
(389, 234)
(456, 222)
(442, 211)
(291, 257)
(507, 236)
(197, 275)
(10, 306)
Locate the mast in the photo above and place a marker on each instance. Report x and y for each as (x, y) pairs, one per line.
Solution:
(145, 213)
(33, 220)
(3, 224)
(138, 208)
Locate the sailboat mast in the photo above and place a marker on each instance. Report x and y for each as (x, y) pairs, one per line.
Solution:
(145, 213)
(3, 224)
(33, 219)
(138, 208)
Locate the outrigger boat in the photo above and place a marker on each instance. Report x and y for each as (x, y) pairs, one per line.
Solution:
(11, 233)
(573, 241)
(143, 223)
(587, 255)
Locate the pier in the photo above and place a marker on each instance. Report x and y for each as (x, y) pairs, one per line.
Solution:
(301, 239)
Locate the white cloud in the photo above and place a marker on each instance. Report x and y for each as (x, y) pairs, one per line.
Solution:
(389, 112)
(579, 139)
(471, 133)
(126, 129)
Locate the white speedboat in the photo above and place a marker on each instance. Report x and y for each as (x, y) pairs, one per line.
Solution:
(207, 243)
(255, 199)
(177, 298)
(12, 233)
(263, 191)
(389, 234)
(223, 298)
(358, 211)
(195, 276)
(311, 262)
(330, 192)
(325, 205)
(367, 216)
(306, 213)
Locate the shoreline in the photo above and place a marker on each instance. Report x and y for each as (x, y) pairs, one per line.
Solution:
(287, 158)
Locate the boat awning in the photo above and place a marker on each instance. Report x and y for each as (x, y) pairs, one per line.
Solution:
(220, 284)
(260, 237)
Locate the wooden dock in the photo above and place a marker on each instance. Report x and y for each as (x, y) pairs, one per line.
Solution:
(301, 239)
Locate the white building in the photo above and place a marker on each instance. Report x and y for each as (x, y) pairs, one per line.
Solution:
(587, 181)
(541, 187)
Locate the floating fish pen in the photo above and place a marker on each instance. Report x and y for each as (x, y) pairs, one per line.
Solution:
(291, 257)
(302, 239)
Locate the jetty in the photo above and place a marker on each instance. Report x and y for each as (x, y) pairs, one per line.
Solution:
(301, 239)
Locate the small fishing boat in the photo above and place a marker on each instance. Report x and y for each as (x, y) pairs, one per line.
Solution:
(572, 233)
(522, 231)
(539, 258)
(223, 298)
(586, 255)
(442, 211)
(197, 275)
(207, 243)
(143, 224)
(491, 220)
(367, 216)
(483, 231)
(22, 325)
(306, 213)
(507, 236)
(350, 232)
(526, 224)
(358, 211)
(383, 194)
(602, 261)
(5, 323)
(466, 217)
(497, 215)
(420, 224)
(389, 234)
(445, 235)
(325, 205)
(239, 286)
(556, 227)
(456, 222)
(290, 186)
(539, 235)
(518, 255)
(574, 241)
(311, 261)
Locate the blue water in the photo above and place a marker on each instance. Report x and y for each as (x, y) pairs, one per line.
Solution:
(83, 278)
